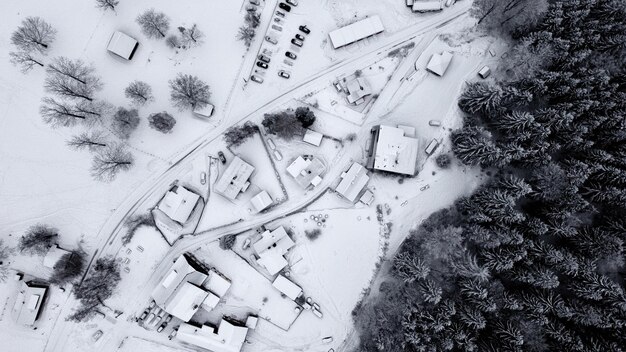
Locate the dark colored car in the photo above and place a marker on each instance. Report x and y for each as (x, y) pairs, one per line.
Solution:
(284, 6)
(299, 37)
(305, 29)
(262, 64)
(220, 154)
(291, 55)
(281, 14)
(264, 58)
(296, 42)
(284, 74)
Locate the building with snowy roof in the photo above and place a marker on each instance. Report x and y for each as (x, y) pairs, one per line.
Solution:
(53, 256)
(178, 204)
(271, 249)
(439, 63)
(235, 179)
(306, 170)
(226, 338)
(392, 150)
(261, 201)
(358, 89)
(122, 45)
(313, 137)
(29, 302)
(352, 182)
(287, 287)
(356, 31)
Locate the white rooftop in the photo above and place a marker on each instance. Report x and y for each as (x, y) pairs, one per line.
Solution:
(393, 151)
(28, 303)
(235, 178)
(122, 45)
(271, 249)
(428, 5)
(313, 137)
(186, 301)
(178, 204)
(356, 31)
(358, 88)
(228, 338)
(352, 182)
(306, 171)
(287, 287)
(439, 63)
(261, 201)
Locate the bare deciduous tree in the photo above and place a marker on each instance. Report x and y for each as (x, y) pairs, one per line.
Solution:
(25, 60)
(139, 92)
(246, 34)
(33, 34)
(107, 4)
(153, 24)
(109, 162)
(191, 37)
(5, 251)
(91, 141)
(74, 69)
(71, 88)
(187, 91)
(61, 113)
(38, 239)
(173, 41)
(97, 288)
(125, 122)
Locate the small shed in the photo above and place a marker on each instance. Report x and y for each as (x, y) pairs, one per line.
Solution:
(439, 63)
(261, 201)
(484, 72)
(122, 45)
(287, 287)
(204, 111)
(313, 137)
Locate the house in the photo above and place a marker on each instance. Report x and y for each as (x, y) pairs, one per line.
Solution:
(271, 249)
(122, 45)
(352, 182)
(427, 6)
(313, 137)
(358, 89)
(439, 63)
(187, 288)
(367, 198)
(306, 170)
(391, 150)
(53, 256)
(178, 204)
(28, 302)
(356, 31)
(261, 201)
(205, 111)
(287, 287)
(235, 179)
(226, 338)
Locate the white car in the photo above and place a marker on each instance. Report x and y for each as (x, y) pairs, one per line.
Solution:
(292, 2)
(203, 178)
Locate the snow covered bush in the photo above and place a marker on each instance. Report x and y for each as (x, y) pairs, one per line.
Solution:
(162, 122)
(125, 122)
(443, 161)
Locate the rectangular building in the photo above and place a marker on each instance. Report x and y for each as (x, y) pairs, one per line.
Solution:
(306, 171)
(356, 31)
(271, 249)
(178, 204)
(227, 338)
(427, 6)
(352, 182)
(287, 287)
(235, 179)
(28, 302)
(392, 151)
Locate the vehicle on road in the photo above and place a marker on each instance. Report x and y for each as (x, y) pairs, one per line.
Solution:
(299, 36)
(264, 58)
(292, 2)
(271, 40)
(262, 64)
(256, 79)
(279, 13)
(162, 326)
(97, 335)
(277, 28)
(284, 6)
(304, 29)
(203, 178)
(296, 42)
(291, 55)
(284, 74)
(221, 156)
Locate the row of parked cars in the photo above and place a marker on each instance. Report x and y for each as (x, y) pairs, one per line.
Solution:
(151, 317)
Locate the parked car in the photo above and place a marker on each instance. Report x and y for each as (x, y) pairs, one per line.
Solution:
(284, 6)
(278, 20)
(246, 243)
(127, 270)
(168, 318)
(271, 40)
(291, 55)
(304, 29)
(129, 251)
(256, 79)
(299, 36)
(284, 74)
(288, 62)
(278, 155)
(277, 28)
(281, 14)
(126, 260)
(337, 86)
(203, 178)
(140, 248)
(264, 58)
(296, 42)
(162, 326)
(250, 8)
(270, 142)
(143, 315)
(262, 64)
(173, 333)
(97, 335)
(220, 154)
(255, 2)
(292, 2)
